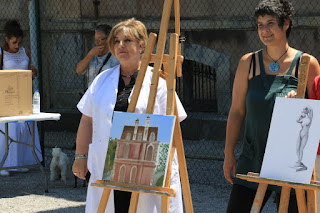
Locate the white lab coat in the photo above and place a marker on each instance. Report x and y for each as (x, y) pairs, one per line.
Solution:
(98, 102)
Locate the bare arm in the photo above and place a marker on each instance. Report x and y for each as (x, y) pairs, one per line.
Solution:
(83, 64)
(83, 140)
(236, 115)
(31, 67)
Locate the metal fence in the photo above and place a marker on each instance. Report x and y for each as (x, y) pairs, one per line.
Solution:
(59, 34)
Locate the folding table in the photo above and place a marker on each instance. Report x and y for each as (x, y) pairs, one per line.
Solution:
(26, 118)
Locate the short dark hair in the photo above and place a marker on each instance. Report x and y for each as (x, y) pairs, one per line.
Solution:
(281, 9)
(12, 28)
(103, 28)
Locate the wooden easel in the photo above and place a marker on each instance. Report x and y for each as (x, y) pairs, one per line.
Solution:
(171, 64)
(311, 206)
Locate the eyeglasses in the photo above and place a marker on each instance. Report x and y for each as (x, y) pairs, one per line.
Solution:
(99, 40)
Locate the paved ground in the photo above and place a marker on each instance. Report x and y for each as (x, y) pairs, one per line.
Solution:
(24, 192)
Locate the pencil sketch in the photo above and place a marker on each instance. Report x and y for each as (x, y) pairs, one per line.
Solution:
(304, 120)
(293, 140)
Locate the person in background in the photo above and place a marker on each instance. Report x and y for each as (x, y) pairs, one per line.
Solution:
(14, 56)
(261, 77)
(111, 91)
(99, 58)
(315, 93)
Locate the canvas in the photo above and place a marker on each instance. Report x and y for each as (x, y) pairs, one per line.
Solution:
(139, 147)
(292, 141)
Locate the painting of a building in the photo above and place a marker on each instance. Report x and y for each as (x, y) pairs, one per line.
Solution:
(136, 154)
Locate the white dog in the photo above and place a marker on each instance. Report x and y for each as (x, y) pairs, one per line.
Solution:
(59, 165)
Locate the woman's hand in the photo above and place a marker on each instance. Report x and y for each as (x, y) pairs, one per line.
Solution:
(80, 168)
(97, 50)
(229, 165)
(84, 137)
(34, 71)
(291, 94)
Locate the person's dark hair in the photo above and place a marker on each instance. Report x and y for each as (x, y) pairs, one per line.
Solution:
(12, 28)
(281, 9)
(103, 28)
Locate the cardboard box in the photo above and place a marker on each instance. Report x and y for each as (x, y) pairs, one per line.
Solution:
(15, 92)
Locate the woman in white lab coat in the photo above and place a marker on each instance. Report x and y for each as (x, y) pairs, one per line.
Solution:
(109, 92)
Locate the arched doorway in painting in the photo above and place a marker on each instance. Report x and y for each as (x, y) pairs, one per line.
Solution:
(149, 153)
(152, 136)
(122, 173)
(128, 136)
(140, 136)
(133, 174)
(126, 150)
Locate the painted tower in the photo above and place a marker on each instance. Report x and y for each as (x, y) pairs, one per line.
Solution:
(136, 154)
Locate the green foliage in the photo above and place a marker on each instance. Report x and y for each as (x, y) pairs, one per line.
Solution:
(111, 153)
(160, 181)
(163, 155)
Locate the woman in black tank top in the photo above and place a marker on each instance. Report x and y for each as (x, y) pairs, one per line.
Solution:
(261, 77)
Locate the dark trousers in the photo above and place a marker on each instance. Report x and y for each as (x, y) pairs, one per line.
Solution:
(121, 201)
(241, 200)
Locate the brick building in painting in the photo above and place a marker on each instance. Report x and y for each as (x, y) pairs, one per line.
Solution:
(136, 154)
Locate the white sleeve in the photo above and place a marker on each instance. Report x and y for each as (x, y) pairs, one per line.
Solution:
(181, 112)
(162, 91)
(85, 105)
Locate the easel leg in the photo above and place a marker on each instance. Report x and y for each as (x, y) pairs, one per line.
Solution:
(143, 68)
(104, 200)
(165, 204)
(165, 201)
(134, 202)
(312, 201)
(159, 54)
(177, 138)
(284, 199)
(312, 196)
(258, 199)
(301, 200)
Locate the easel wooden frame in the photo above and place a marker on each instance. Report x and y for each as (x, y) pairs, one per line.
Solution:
(303, 207)
(172, 65)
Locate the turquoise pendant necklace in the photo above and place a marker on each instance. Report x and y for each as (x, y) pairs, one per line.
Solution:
(274, 66)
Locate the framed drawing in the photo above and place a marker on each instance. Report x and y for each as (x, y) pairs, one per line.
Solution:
(293, 140)
(139, 147)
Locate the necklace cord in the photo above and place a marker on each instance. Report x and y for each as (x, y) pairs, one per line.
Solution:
(279, 57)
(274, 66)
